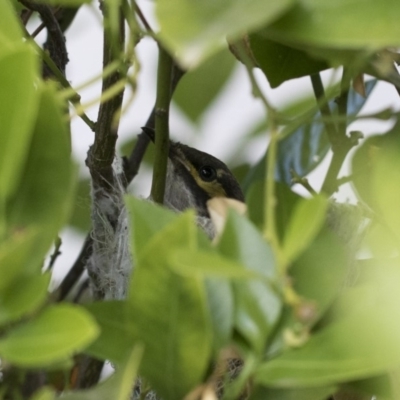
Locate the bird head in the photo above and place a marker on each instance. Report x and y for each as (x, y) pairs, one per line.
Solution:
(194, 177)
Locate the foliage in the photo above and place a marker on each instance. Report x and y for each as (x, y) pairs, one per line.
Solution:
(281, 289)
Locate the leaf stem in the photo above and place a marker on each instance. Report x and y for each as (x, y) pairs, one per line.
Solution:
(161, 123)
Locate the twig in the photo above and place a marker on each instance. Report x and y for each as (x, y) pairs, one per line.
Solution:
(143, 19)
(341, 143)
(56, 253)
(43, 25)
(162, 125)
(55, 42)
(302, 181)
(323, 106)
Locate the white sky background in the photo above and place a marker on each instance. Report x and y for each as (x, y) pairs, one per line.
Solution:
(232, 115)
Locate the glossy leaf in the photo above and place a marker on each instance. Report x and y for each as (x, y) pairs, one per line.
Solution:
(170, 313)
(54, 335)
(280, 62)
(199, 88)
(46, 184)
(340, 24)
(115, 320)
(18, 105)
(119, 386)
(23, 296)
(306, 221)
(195, 30)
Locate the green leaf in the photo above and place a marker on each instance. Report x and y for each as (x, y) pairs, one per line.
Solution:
(340, 24)
(45, 188)
(306, 221)
(257, 305)
(317, 393)
(170, 313)
(22, 297)
(281, 63)
(66, 3)
(54, 335)
(306, 142)
(319, 273)
(195, 263)
(115, 320)
(44, 394)
(198, 88)
(18, 105)
(118, 387)
(195, 30)
(146, 219)
(360, 341)
(220, 303)
(10, 31)
(18, 257)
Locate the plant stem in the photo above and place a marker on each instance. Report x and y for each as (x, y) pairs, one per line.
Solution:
(161, 123)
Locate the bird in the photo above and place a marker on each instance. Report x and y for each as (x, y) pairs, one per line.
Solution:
(194, 177)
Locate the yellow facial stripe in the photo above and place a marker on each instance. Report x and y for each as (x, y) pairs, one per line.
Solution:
(213, 188)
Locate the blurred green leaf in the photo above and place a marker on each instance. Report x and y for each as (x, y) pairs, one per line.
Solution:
(379, 386)
(286, 202)
(170, 311)
(306, 146)
(45, 187)
(115, 320)
(80, 216)
(67, 3)
(220, 303)
(206, 264)
(18, 105)
(257, 304)
(23, 296)
(195, 30)
(119, 386)
(319, 273)
(340, 24)
(10, 30)
(199, 88)
(317, 393)
(360, 341)
(44, 394)
(51, 337)
(146, 220)
(281, 63)
(306, 221)
(18, 257)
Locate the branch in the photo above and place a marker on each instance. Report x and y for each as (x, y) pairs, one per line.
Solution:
(161, 121)
(341, 143)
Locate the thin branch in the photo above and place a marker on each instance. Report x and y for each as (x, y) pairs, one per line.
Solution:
(143, 19)
(296, 178)
(323, 106)
(341, 143)
(162, 125)
(55, 254)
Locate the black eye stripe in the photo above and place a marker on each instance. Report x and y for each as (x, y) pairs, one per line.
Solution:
(207, 173)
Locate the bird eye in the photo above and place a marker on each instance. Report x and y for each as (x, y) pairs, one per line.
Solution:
(207, 173)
